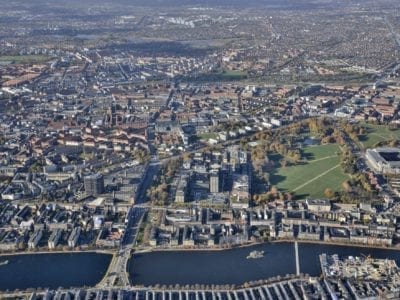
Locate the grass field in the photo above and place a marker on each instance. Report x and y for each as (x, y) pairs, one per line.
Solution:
(207, 136)
(233, 75)
(321, 170)
(376, 134)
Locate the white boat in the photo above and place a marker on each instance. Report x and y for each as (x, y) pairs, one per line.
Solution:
(3, 263)
(255, 254)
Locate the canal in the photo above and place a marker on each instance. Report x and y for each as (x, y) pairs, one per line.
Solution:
(52, 270)
(232, 267)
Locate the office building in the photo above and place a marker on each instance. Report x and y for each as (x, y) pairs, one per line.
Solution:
(94, 184)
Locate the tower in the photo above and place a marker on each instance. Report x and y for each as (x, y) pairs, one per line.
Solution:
(111, 115)
(94, 184)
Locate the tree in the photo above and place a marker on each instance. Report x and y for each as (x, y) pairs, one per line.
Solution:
(328, 140)
(329, 193)
(346, 186)
(274, 190)
(266, 177)
(21, 245)
(289, 196)
(313, 126)
(392, 141)
(283, 163)
(186, 156)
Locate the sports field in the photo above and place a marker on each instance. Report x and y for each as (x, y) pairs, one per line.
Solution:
(376, 134)
(320, 170)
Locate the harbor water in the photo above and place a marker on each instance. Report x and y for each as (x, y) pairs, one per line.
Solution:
(52, 270)
(172, 267)
(232, 266)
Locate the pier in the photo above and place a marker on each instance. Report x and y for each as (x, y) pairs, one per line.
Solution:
(296, 251)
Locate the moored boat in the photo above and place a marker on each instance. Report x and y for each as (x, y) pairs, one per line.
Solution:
(255, 254)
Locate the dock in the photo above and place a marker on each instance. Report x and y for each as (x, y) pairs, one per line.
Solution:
(296, 251)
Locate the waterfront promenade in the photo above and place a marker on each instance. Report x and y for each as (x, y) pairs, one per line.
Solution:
(98, 251)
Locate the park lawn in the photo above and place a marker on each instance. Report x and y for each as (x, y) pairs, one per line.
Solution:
(207, 136)
(315, 189)
(311, 178)
(229, 74)
(376, 134)
(320, 151)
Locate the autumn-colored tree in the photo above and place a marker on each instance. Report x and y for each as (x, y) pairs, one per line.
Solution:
(329, 193)
(346, 186)
(274, 190)
(186, 156)
(289, 196)
(283, 163)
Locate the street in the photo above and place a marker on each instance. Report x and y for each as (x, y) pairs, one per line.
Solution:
(117, 272)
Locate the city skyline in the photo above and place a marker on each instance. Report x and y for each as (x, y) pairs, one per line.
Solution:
(182, 149)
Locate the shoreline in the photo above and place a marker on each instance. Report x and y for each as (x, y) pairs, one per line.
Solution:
(392, 248)
(251, 244)
(108, 252)
(149, 250)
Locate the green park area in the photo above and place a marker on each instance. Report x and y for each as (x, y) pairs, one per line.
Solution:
(377, 133)
(233, 75)
(319, 170)
(207, 136)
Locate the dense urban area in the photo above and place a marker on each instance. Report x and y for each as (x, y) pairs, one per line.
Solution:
(129, 128)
